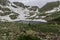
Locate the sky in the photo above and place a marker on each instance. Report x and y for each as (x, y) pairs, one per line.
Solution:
(34, 2)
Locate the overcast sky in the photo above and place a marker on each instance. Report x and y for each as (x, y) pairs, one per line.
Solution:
(34, 2)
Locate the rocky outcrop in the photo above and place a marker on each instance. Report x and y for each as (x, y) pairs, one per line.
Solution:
(4, 2)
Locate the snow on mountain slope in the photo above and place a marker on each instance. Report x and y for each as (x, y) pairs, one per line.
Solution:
(22, 13)
(52, 14)
(18, 11)
(54, 9)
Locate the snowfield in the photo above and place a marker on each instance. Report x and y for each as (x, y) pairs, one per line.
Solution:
(23, 14)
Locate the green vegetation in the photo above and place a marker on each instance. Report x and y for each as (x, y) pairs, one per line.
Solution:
(34, 8)
(5, 13)
(53, 15)
(49, 6)
(30, 31)
(13, 16)
(21, 31)
(13, 6)
(3, 2)
(23, 37)
(0, 7)
(19, 4)
(5, 9)
(31, 13)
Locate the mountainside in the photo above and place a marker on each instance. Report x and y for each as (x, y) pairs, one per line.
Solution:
(51, 10)
(22, 22)
(50, 6)
(16, 11)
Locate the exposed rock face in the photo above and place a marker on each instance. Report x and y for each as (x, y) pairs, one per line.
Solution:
(27, 6)
(34, 8)
(4, 2)
(19, 4)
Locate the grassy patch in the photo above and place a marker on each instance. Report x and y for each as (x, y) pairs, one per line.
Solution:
(31, 13)
(23, 37)
(6, 9)
(29, 31)
(19, 4)
(5, 13)
(13, 16)
(49, 6)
